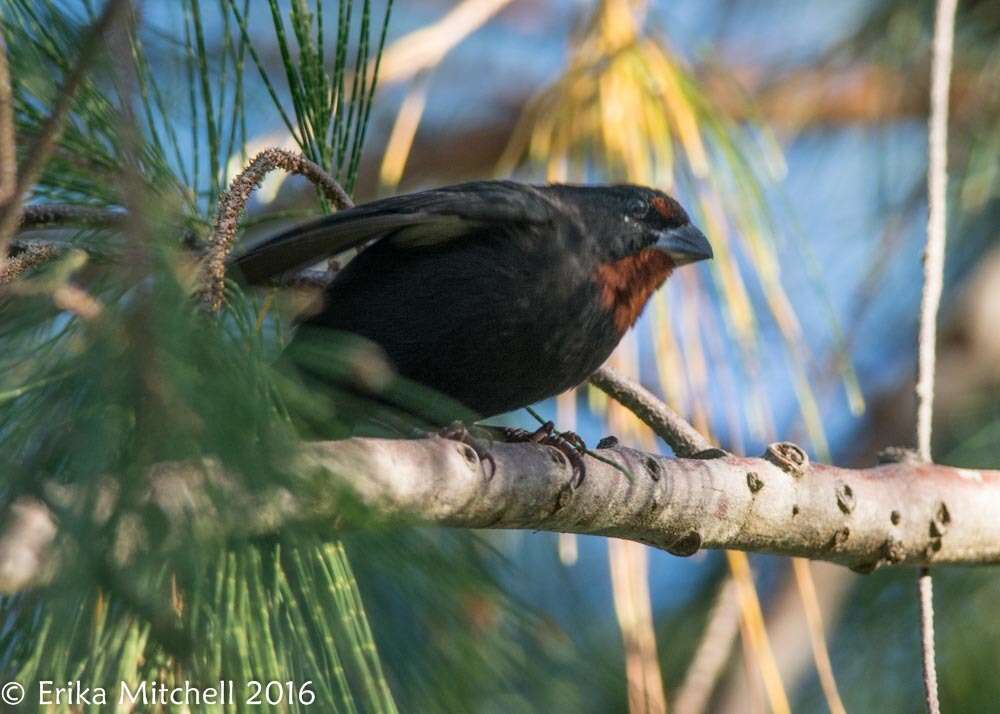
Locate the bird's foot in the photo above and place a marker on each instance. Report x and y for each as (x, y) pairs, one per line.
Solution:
(568, 443)
(461, 433)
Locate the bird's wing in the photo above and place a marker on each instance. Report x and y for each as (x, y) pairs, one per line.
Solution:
(411, 220)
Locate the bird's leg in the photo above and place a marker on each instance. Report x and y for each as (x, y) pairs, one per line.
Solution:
(568, 443)
(457, 431)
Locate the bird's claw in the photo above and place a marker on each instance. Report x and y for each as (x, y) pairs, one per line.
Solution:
(460, 432)
(568, 443)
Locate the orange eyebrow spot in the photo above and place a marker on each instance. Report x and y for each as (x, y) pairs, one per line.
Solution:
(663, 207)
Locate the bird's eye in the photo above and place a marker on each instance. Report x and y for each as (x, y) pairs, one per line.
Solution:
(638, 209)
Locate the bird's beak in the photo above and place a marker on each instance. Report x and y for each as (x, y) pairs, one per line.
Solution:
(685, 244)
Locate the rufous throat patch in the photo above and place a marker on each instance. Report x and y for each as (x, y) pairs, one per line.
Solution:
(627, 284)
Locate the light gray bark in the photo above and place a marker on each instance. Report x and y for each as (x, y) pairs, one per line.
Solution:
(906, 513)
(894, 513)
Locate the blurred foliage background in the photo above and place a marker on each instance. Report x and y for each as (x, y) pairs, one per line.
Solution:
(796, 133)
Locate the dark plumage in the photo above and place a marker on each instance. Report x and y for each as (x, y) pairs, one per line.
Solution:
(495, 293)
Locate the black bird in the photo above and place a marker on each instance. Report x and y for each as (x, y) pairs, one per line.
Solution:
(495, 293)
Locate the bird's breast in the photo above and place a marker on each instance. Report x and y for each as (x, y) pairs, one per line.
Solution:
(627, 284)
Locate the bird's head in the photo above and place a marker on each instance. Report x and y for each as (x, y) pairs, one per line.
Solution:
(645, 218)
(639, 236)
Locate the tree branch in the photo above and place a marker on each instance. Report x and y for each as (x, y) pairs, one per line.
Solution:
(27, 254)
(902, 513)
(683, 438)
(893, 513)
(50, 131)
(47, 214)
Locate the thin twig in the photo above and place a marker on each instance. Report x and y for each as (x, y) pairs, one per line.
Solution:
(233, 203)
(8, 147)
(29, 253)
(29, 256)
(39, 216)
(925, 592)
(26, 254)
(937, 184)
(670, 426)
(64, 294)
(46, 214)
(50, 131)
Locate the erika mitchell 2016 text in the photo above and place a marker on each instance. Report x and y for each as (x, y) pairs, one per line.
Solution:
(153, 692)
